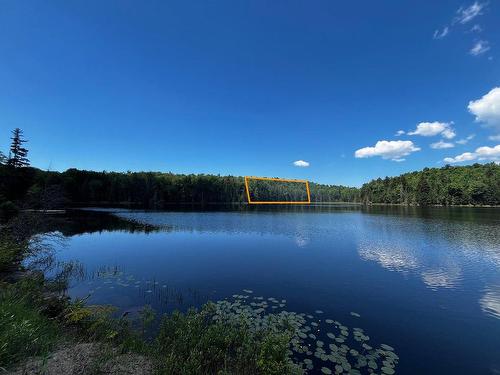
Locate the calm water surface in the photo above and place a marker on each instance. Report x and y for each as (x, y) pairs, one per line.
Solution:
(426, 282)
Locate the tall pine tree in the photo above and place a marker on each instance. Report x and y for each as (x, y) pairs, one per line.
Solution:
(3, 158)
(18, 156)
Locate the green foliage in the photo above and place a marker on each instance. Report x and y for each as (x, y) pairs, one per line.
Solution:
(147, 315)
(154, 190)
(194, 343)
(24, 329)
(9, 254)
(7, 209)
(477, 184)
(264, 190)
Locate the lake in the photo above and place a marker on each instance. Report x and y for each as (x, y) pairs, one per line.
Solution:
(426, 282)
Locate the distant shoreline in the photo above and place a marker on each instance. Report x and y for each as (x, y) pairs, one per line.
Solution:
(83, 205)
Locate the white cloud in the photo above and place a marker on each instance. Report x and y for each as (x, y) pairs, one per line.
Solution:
(441, 34)
(301, 163)
(480, 47)
(488, 153)
(393, 150)
(466, 139)
(487, 109)
(476, 29)
(481, 153)
(442, 144)
(448, 133)
(466, 156)
(494, 137)
(462, 17)
(429, 129)
(399, 133)
(467, 14)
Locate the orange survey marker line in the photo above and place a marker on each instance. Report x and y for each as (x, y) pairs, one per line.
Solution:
(250, 201)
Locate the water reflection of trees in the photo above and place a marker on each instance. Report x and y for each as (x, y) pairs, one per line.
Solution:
(77, 222)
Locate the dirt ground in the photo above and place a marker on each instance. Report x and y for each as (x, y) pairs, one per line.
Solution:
(83, 359)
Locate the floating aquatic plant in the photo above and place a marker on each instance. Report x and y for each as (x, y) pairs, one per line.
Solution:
(346, 350)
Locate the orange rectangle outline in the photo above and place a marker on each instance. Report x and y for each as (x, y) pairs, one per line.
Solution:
(280, 180)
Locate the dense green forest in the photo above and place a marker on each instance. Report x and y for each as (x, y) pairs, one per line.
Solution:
(264, 190)
(22, 186)
(477, 184)
(39, 189)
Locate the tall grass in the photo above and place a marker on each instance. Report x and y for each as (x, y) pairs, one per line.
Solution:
(25, 329)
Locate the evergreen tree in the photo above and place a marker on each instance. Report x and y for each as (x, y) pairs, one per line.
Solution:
(3, 158)
(18, 156)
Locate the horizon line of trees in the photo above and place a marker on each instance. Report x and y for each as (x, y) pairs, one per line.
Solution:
(46, 189)
(22, 186)
(477, 184)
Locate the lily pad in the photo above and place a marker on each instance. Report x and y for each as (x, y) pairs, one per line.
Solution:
(387, 370)
(387, 347)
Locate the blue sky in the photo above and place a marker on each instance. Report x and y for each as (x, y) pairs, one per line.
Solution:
(249, 87)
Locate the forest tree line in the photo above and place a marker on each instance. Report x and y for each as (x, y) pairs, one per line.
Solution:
(22, 186)
(153, 190)
(477, 184)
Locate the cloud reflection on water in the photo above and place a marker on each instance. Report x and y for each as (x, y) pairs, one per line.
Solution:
(442, 278)
(490, 302)
(392, 258)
